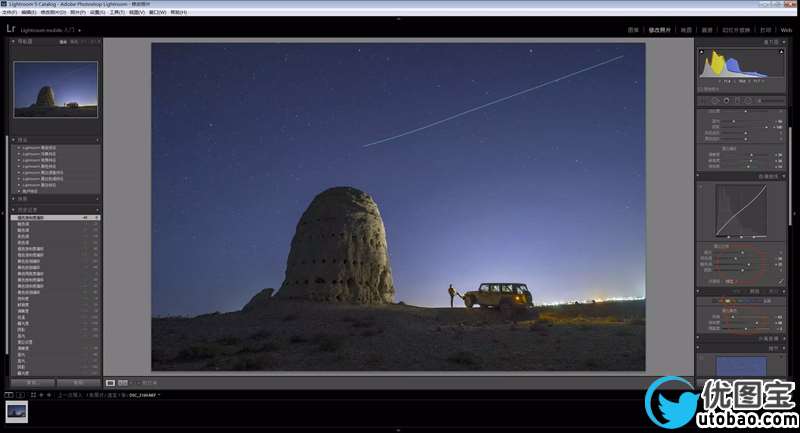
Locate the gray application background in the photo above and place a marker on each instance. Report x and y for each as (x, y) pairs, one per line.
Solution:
(669, 223)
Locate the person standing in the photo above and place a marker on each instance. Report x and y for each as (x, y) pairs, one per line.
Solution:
(452, 292)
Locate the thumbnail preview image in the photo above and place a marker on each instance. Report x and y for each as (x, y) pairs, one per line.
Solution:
(55, 89)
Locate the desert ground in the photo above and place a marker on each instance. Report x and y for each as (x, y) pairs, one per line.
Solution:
(286, 335)
(87, 111)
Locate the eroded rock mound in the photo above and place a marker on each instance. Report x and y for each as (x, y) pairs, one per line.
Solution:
(260, 298)
(45, 98)
(339, 251)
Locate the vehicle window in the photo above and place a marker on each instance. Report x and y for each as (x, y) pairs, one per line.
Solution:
(505, 288)
(484, 288)
(494, 288)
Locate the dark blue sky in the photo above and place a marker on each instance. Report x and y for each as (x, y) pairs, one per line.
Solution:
(71, 82)
(545, 188)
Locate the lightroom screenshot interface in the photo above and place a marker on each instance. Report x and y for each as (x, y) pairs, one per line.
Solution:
(399, 215)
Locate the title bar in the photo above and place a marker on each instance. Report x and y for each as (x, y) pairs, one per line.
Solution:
(399, 8)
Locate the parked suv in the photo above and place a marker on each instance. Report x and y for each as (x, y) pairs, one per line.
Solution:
(504, 296)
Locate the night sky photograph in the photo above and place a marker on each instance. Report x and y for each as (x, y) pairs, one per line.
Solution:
(490, 162)
(70, 81)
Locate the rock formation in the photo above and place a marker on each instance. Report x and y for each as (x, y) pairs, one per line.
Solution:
(339, 251)
(261, 298)
(45, 98)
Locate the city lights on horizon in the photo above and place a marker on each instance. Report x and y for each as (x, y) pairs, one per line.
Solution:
(590, 301)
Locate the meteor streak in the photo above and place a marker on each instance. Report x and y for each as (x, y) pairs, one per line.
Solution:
(496, 101)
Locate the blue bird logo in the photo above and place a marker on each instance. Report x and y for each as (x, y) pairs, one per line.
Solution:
(677, 414)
